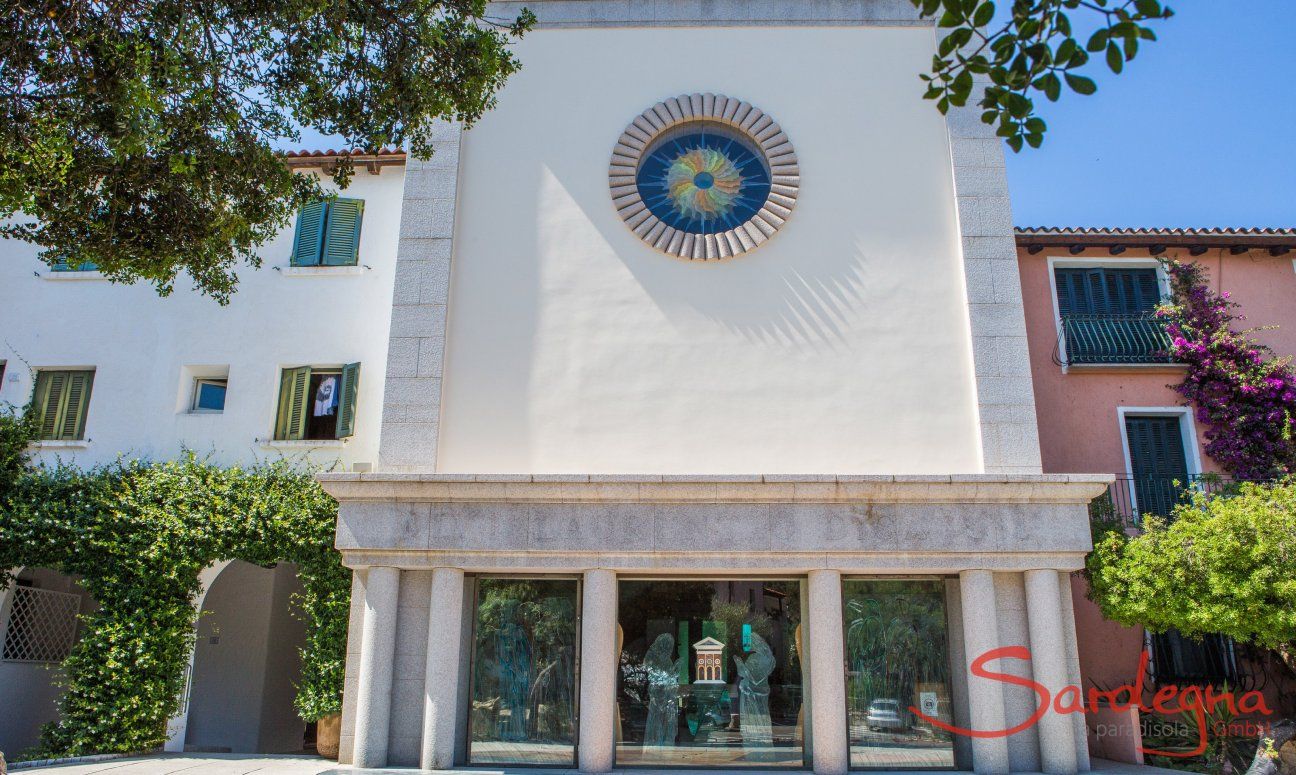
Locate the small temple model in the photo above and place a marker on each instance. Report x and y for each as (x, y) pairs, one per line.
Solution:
(710, 661)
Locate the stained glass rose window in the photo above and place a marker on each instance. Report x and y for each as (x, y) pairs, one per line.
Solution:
(704, 176)
(703, 182)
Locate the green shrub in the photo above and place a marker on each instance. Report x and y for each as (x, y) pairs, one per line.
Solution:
(138, 534)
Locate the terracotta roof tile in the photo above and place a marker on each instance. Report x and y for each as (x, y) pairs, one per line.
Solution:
(1146, 232)
(1279, 241)
(330, 153)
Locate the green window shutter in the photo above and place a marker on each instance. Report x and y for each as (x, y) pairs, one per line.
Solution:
(350, 386)
(310, 235)
(50, 387)
(1147, 290)
(342, 233)
(61, 399)
(77, 402)
(1157, 461)
(1133, 291)
(1072, 291)
(290, 424)
(1105, 291)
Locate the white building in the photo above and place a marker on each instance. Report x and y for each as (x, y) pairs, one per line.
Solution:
(728, 349)
(136, 375)
(711, 332)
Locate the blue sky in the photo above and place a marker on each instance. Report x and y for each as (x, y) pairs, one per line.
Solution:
(1200, 130)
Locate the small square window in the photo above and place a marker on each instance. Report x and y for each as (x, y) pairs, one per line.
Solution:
(209, 395)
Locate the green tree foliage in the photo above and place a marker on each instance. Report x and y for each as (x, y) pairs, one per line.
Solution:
(1009, 59)
(1222, 564)
(17, 430)
(137, 135)
(138, 535)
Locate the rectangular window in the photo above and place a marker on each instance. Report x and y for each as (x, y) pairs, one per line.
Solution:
(317, 403)
(62, 399)
(710, 674)
(897, 660)
(1107, 291)
(525, 639)
(1158, 462)
(84, 266)
(209, 395)
(1108, 316)
(328, 233)
(1177, 659)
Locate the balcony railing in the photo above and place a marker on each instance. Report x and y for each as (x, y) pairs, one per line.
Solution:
(1129, 498)
(1113, 339)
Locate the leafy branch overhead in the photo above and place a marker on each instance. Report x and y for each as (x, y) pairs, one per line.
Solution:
(139, 135)
(1034, 51)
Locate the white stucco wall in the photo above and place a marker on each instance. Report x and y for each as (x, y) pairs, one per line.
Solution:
(246, 657)
(840, 346)
(140, 344)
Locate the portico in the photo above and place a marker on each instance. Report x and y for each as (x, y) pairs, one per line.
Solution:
(999, 546)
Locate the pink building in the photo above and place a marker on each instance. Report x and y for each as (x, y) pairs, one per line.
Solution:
(1105, 402)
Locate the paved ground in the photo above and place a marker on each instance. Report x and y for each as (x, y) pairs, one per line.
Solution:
(247, 764)
(195, 764)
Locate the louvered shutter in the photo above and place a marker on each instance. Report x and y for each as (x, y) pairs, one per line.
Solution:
(309, 237)
(50, 387)
(1157, 462)
(1102, 291)
(77, 402)
(1098, 300)
(1081, 291)
(293, 404)
(1147, 290)
(349, 387)
(342, 233)
(1070, 290)
(1132, 291)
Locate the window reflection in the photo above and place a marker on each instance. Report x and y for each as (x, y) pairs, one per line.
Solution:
(709, 673)
(897, 658)
(524, 672)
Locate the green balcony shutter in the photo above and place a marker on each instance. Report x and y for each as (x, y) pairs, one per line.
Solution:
(1157, 462)
(350, 386)
(77, 402)
(293, 404)
(1079, 291)
(1146, 291)
(342, 233)
(50, 387)
(309, 237)
(1067, 292)
(1104, 291)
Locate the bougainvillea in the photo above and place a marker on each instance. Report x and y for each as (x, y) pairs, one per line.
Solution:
(138, 534)
(1243, 395)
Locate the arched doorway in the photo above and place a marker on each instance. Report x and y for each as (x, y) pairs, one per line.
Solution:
(38, 626)
(247, 663)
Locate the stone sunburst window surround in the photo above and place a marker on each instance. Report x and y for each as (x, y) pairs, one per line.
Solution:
(704, 176)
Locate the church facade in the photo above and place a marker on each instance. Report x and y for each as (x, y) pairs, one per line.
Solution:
(708, 436)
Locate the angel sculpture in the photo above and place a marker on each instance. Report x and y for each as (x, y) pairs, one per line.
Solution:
(753, 694)
(663, 692)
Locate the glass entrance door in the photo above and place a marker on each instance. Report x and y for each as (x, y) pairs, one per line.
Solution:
(523, 703)
(709, 674)
(897, 661)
